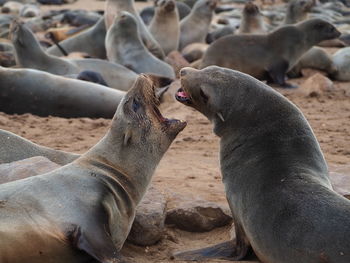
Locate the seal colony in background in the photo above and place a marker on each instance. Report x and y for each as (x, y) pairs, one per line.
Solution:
(274, 173)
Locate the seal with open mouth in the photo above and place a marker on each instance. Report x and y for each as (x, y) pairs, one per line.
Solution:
(82, 212)
(275, 175)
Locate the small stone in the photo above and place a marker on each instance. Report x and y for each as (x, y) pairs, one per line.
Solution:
(197, 216)
(148, 226)
(315, 85)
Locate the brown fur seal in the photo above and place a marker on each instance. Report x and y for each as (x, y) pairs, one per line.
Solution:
(44, 94)
(91, 41)
(297, 11)
(125, 47)
(195, 26)
(275, 176)
(15, 148)
(111, 11)
(29, 54)
(165, 25)
(82, 212)
(271, 55)
(315, 58)
(252, 21)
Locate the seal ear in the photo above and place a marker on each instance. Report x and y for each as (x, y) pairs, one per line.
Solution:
(127, 136)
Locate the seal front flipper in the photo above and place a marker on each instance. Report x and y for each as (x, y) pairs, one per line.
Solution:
(229, 250)
(98, 245)
(277, 72)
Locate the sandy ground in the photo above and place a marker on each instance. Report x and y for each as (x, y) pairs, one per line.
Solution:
(190, 168)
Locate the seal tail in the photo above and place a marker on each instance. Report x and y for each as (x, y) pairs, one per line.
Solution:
(226, 250)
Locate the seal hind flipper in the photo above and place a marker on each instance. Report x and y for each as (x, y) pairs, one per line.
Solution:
(99, 246)
(229, 250)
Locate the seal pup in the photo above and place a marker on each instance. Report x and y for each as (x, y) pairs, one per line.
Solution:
(297, 11)
(275, 175)
(341, 60)
(83, 212)
(165, 25)
(270, 55)
(147, 13)
(195, 26)
(15, 148)
(315, 58)
(91, 41)
(29, 54)
(111, 11)
(44, 94)
(252, 21)
(125, 47)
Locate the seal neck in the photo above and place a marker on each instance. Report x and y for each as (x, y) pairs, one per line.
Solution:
(118, 159)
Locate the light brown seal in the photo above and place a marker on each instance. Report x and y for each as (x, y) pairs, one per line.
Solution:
(125, 47)
(83, 212)
(252, 21)
(275, 175)
(297, 11)
(165, 25)
(113, 7)
(195, 26)
(272, 55)
(29, 54)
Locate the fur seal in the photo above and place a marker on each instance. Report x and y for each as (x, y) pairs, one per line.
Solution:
(315, 58)
(111, 11)
(125, 47)
(341, 60)
(92, 76)
(271, 55)
(217, 33)
(44, 94)
(195, 26)
(297, 11)
(83, 212)
(15, 148)
(275, 175)
(91, 41)
(29, 54)
(252, 20)
(147, 13)
(165, 26)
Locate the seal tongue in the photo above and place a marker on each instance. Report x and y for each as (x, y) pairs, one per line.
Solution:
(182, 94)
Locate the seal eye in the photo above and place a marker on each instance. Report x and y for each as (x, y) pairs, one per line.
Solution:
(135, 105)
(204, 97)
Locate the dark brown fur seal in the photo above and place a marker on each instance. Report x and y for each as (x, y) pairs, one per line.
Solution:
(82, 212)
(275, 175)
(272, 55)
(44, 94)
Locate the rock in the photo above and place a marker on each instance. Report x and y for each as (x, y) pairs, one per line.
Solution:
(177, 61)
(316, 85)
(148, 226)
(26, 168)
(340, 179)
(197, 216)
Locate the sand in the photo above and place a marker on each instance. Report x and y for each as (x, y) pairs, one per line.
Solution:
(190, 168)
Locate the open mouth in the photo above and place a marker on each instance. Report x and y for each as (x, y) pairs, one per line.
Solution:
(183, 97)
(165, 121)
